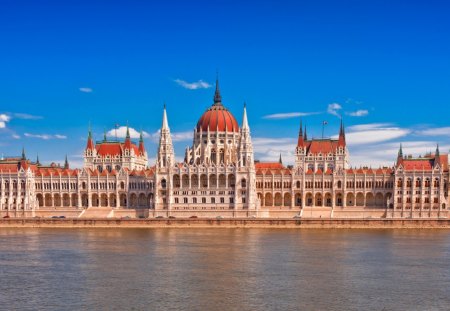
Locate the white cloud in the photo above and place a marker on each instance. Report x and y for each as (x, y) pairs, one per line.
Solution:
(385, 154)
(121, 132)
(4, 117)
(358, 113)
(182, 136)
(334, 109)
(288, 115)
(200, 84)
(45, 136)
(2, 124)
(269, 149)
(86, 89)
(438, 131)
(373, 133)
(369, 126)
(15, 136)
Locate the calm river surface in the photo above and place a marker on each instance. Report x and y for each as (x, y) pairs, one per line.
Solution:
(224, 269)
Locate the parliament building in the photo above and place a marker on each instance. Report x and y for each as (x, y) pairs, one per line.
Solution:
(219, 177)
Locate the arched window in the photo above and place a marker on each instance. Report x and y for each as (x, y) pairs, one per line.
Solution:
(163, 183)
(244, 183)
(213, 156)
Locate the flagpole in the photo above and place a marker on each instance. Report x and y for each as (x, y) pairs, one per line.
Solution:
(323, 127)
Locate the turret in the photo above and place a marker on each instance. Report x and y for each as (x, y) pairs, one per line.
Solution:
(90, 142)
(400, 154)
(437, 156)
(141, 144)
(166, 156)
(127, 144)
(245, 148)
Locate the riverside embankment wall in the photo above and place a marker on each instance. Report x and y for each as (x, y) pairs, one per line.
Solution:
(224, 223)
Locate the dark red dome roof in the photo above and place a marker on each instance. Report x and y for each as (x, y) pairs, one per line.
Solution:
(217, 117)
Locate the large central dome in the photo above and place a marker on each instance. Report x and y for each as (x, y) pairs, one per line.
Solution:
(217, 118)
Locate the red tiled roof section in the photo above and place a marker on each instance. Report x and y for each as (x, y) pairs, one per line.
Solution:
(217, 118)
(425, 164)
(114, 148)
(269, 165)
(321, 146)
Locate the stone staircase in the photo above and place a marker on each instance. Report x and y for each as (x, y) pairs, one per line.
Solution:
(97, 212)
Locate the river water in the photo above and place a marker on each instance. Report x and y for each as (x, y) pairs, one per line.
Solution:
(224, 269)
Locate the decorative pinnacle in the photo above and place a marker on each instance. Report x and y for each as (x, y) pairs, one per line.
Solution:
(23, 154)
(400, 151)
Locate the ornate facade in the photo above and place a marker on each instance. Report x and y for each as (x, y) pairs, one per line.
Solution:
(219, 177)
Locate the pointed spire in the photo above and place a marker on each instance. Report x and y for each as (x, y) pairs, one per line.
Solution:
(280, 160)
(342, 134)
(66, 163)
(301, 139)
(437, 151)
(90, 142)
(400, 151)
(305, 137)
(244, 118)
(128, 132)
(104, 136)
(165, 123)
(37, 160)
(23, 154)
(217, 96)
(300, 133)
(141, 144)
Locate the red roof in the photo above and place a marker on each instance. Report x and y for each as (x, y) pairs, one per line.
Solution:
(269, 165)
(423, 164)
(321, 146)
(114, 148)
(217, 118)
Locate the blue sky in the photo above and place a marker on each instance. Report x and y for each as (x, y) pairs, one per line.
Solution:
(383, 66)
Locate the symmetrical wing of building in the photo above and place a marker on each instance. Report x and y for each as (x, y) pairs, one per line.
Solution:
(219, 177)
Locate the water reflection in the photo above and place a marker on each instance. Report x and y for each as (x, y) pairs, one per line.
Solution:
(224, 269)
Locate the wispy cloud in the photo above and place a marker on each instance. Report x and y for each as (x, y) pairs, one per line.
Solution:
(45, 136)
(200, 84)
(334, 108)
(15, 136)
(358, 113)
(26, 116)
(288, 115)
(438, 131)
(86, 89)
(121, 132)
(364, 134)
